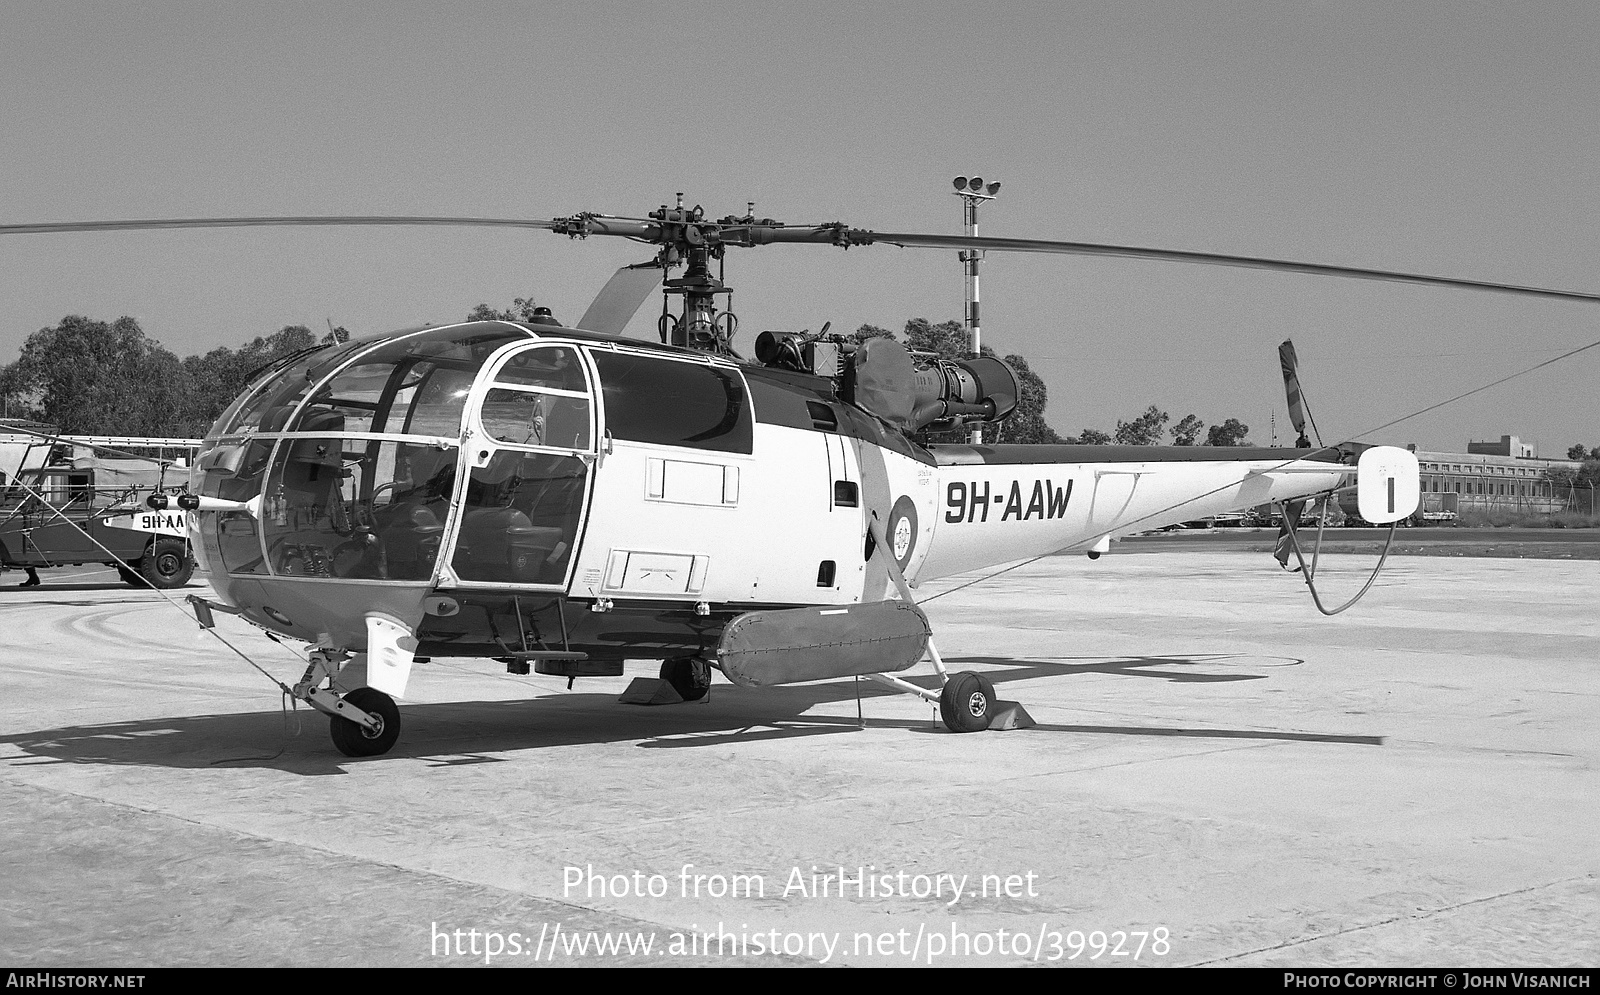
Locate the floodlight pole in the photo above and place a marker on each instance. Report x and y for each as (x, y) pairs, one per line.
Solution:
(971, 192)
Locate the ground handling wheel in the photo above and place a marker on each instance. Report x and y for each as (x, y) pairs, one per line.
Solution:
(353, 739)
(690, 676)
(166, 564)
(967, 702)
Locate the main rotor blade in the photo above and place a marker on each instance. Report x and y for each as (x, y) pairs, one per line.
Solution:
(88, 226)
(621, 297)
(919, 241)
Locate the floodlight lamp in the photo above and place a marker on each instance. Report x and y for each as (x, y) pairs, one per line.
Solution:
(961, 182)
(993, 188)
(975, 184)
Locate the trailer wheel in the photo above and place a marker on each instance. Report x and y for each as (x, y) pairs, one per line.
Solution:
(967, 702)
(167, 564)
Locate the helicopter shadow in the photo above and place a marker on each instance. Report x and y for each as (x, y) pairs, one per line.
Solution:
(475, 732)
(440, 734)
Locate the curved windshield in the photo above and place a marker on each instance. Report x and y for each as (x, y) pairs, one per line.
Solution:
(277, 391)
(332, 505)
(389, 372)
(417, 385)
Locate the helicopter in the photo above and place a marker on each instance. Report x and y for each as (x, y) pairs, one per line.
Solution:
(564, 498)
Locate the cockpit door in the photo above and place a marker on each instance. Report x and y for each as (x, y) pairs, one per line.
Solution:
(529, 451)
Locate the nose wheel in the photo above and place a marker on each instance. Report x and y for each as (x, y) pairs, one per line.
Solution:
(355, 740)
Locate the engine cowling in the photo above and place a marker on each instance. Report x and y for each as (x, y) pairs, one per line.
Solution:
(885, 380)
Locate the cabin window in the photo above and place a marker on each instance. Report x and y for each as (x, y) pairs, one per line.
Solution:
(540, 397)
(674, 402)
(519, 519)
(537, 418)
(825, 571)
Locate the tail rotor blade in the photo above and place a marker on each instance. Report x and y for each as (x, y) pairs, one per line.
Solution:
(1291, 387)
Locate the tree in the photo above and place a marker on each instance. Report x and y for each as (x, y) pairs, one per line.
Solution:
(1092, 437)
(521, 309)
(947, 339)
(866, 332)
(1230, 433)
(221, 374)
(1145, 430)
(1186, 431)
(93, 378)
(1563, 477)
(1026, 424)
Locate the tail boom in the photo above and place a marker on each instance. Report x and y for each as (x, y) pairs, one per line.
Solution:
(1004, 503)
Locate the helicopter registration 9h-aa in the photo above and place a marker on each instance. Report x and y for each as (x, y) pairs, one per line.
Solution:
(565, 499)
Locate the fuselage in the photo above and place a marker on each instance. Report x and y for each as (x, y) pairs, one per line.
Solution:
(496, 485)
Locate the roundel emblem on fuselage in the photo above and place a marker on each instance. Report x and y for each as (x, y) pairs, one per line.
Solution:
(902, 531)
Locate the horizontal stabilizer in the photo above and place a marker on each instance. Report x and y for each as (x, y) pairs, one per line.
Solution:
(1388, 487)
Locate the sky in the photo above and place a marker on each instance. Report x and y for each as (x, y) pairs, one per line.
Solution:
(1450, 138)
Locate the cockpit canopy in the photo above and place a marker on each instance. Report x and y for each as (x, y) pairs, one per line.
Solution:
(472, 445)
(416, 384)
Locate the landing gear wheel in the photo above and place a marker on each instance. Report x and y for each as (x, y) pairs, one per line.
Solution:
(967, 702)
(690, 676)
(167, 564)
(354, 740)
(132, 578)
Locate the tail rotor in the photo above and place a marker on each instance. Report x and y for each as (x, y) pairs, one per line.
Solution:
(1298, 410)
